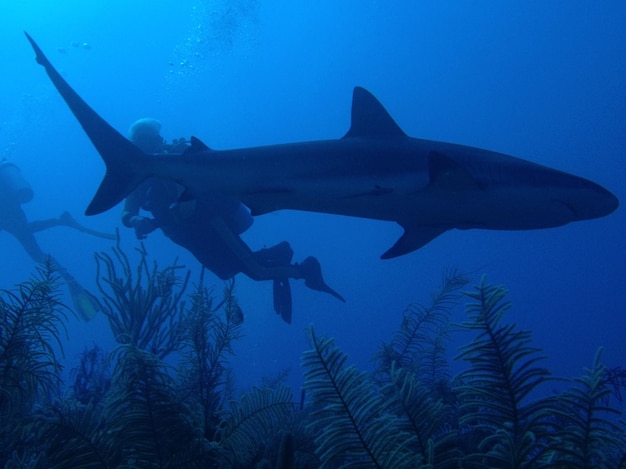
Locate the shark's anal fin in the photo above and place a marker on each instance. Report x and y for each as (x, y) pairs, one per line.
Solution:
(414, 237)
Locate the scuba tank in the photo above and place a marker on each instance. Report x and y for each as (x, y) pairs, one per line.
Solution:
(12, 185)
(239, 220)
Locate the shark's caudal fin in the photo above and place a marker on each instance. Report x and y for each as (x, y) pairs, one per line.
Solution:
(124, 161)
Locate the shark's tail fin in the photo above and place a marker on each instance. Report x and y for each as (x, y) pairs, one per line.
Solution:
(125, 163)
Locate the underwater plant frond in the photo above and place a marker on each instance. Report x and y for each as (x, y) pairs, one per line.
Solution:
(92, 378)
(588, 436)
(616, 379)
(502, 374)
(143, 308)
(426, 418)
(419, 344)
(31, 323)
(75, 436)
(355, 427)
(206, 344)
(252, 421)
(145, 415)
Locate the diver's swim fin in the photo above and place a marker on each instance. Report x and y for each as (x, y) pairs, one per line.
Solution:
(312, 273)
(84, 302)
(282, 299)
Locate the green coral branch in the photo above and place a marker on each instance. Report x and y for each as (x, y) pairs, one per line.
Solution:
(419, 343)
(252, 421)
(143, 309)
(206, 344)
(355, 427)
(502, 375)
(587, 431)
(31, 324)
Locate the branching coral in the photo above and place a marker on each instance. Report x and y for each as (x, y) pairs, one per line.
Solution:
(30, 338)
(252, 421)
(495, 390)
(412, 414)
(206, 341)
(419, 343)
(144, 308)
(587, 436)
(91, 378)
(355, 427)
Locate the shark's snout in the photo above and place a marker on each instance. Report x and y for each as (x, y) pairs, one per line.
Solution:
(594, 202)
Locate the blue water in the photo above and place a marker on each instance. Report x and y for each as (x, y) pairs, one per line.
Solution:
(545, 81)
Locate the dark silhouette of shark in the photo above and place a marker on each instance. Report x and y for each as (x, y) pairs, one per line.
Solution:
(374, 171)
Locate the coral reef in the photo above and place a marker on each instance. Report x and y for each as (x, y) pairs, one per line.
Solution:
(132, 408)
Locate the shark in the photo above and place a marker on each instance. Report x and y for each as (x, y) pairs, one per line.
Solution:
(374, 171)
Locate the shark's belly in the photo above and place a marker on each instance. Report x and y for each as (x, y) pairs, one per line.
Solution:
(496, 209)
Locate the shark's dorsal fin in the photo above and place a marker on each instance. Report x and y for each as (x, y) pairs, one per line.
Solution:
(196, 146)
(370, 118)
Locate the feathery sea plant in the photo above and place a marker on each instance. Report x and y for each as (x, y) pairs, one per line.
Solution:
(419, 344)
(151, 415)
(143, 309)
(423, 415)
(92, 378)
(75, 436)
(251, 422)
(494, 392)
(206, 342)
(353, 423)
(588, 437)
(146, 415)
(31, 323)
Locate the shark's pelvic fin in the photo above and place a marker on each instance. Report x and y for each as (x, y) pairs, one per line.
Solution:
(414, 237)
(370, 118)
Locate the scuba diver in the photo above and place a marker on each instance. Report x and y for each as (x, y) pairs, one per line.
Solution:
(209, 226)
(15, 191)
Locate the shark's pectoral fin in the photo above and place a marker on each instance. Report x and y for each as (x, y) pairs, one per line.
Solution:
(414, 237)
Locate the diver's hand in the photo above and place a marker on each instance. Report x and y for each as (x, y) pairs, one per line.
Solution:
(143, 226)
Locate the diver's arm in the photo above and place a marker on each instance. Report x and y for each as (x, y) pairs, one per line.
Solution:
(130, 210)
(131, 218)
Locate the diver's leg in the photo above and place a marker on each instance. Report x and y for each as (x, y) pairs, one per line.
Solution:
(84, 302)
(249, 261)
(282, 299)
(280, 254)
(66, 220)
(271, 269)
(311, 271)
